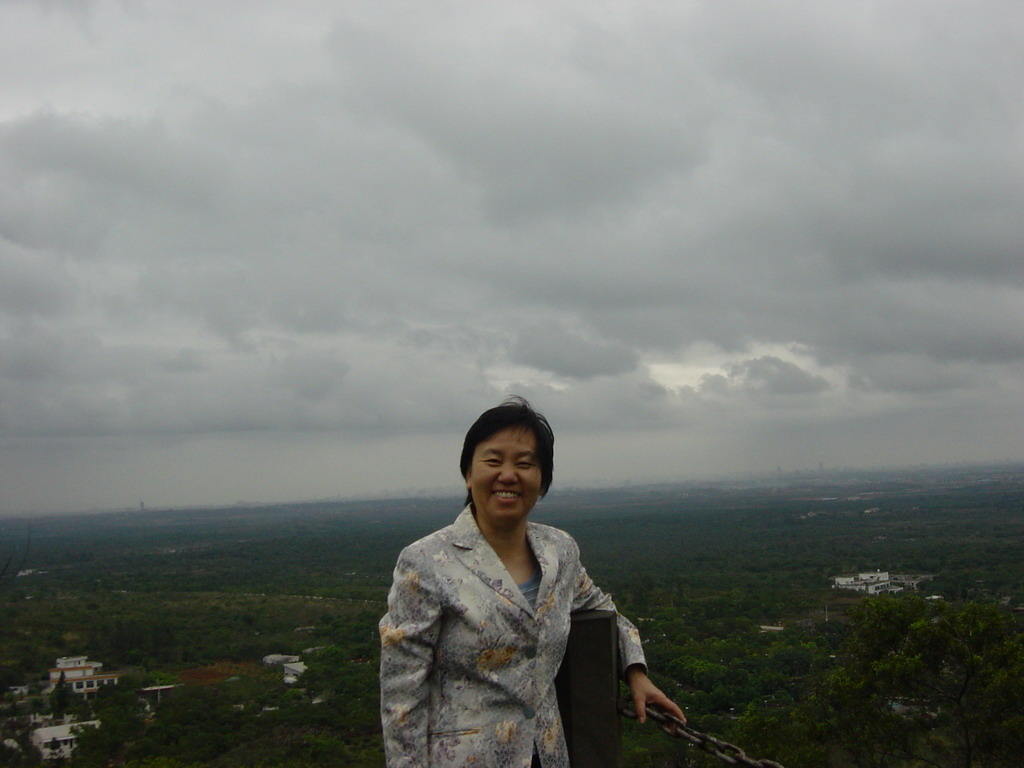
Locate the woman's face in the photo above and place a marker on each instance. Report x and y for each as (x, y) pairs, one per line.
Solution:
(504, 478)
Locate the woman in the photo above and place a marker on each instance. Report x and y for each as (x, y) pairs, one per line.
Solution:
(479, 614)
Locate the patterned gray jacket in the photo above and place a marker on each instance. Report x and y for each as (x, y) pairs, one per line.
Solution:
(467, 667)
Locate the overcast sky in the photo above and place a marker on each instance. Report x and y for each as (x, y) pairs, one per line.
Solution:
(272, 250)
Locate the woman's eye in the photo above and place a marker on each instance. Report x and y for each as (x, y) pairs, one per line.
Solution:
(525, 465)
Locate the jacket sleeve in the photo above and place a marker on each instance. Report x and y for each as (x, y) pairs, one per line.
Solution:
(408, 634)
(590, 597)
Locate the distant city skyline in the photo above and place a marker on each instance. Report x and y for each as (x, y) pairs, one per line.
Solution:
(777, 478)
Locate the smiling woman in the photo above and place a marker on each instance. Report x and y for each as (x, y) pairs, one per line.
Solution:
(479, 614)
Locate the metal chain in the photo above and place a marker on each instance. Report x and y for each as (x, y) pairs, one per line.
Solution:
(723, 750)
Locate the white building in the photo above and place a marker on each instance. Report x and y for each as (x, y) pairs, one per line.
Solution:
(273, 659)
(82, 676)
(57, 742)
(879, 582)
(292, 671)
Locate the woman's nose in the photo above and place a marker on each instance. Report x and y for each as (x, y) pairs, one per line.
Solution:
(507, 474)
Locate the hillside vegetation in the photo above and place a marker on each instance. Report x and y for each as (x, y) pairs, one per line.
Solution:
(199, 597)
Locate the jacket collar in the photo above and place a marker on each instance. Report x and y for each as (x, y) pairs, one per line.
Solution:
(477, 554)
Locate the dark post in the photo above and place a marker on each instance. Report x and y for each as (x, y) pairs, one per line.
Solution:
(588, 691)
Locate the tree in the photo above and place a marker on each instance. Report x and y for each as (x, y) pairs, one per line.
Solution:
(59, 699)
(927, 681)
(120, 714)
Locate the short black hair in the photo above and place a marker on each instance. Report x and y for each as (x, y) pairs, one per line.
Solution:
(514, 412)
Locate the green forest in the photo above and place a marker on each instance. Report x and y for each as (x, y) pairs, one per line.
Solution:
(729, 583)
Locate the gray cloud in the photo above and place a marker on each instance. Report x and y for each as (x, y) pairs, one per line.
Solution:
(569, 354)
(541, 127)
(700, 237)
(765, 375)
(33, 283)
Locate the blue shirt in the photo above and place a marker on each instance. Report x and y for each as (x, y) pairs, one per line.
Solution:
(529, 588)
